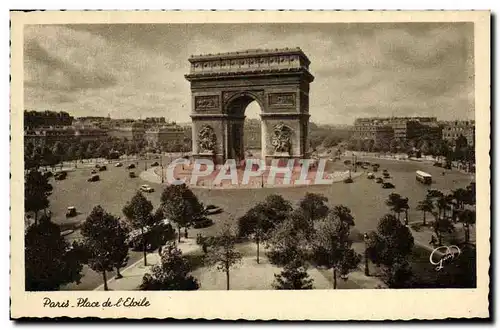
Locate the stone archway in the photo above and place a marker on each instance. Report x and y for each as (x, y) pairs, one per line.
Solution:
(222, 86)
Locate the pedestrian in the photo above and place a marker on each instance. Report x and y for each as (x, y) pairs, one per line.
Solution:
(433, 241)
(159, 250)
(185, 232)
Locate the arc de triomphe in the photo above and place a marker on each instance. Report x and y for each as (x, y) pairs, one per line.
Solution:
(222, 85)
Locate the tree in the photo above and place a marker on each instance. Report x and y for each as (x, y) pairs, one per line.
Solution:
(461, 197)
(263, 218)
(29, 149)
(426, 206)
(120, 253)
(181, 205)
(392, 241)
(314, 206)
(398, 275)
(288, 241)
(36, 192)
(332, 247)
(223, 254)
(442, 225)
(467, 218)
(58, 152)
(293, 277)
(398, 204)
(104, 239)
(50, 261)
(138, 212)
(442, 204)
(171, 274)
(255, 224)
(278, 208)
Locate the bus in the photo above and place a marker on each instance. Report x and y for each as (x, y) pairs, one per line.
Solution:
(423, 177)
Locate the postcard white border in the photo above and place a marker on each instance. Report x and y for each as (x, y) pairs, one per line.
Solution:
(264, 305)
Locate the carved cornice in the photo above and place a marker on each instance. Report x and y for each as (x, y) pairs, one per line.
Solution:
(249, 74)
(251, 53)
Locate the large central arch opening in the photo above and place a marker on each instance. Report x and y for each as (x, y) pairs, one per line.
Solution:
(245, 133)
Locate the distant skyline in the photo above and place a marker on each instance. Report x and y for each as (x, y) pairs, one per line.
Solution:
(360, 69)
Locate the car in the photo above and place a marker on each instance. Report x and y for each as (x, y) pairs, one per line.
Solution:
(71, 212)
(93, 178)
(61, 175)
(202, 223)
(348, 180)
(385, 171)
(388, 185)
(93, 172)
(379, 180)
(118, 165)
(155, 164)
(131, 166)
(437, 164)
(102, 168)
(132, 175)
(146, 188)
(97, 166)
(370, 176)
(48, 174)
(212, 209)
(386, 175)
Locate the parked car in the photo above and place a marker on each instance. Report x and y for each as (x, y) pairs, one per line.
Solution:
(71, 212)
(370, 176)
(212, 209)
(93, 178)
(146, 188)
(131, 166)
(386, 175)
(203, 223)
(437, 164)
(379, 180)
(102, 168)
(48, 174)
(93, 172)
(155, 164)
(61, 175)
(97, 166)
(118, 165)
(348, 180)
(132, 175)
(388, 185)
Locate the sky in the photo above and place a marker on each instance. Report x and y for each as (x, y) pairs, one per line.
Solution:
(360, 69)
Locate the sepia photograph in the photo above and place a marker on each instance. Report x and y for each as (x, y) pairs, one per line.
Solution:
(333, 156)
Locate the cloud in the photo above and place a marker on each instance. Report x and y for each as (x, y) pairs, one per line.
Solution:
(50, 72)
(360, 69)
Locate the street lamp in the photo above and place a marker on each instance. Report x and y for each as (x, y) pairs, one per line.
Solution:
(367, 270)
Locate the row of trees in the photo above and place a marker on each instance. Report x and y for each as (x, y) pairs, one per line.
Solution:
(46, 118)
(296, 237)
(105, 237)
(457, 151)
(449, 209)
(51, 154)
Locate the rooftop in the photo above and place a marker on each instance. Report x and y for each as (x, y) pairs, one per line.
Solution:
(250, 52)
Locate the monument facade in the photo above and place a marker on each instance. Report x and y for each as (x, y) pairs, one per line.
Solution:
(223, 85)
